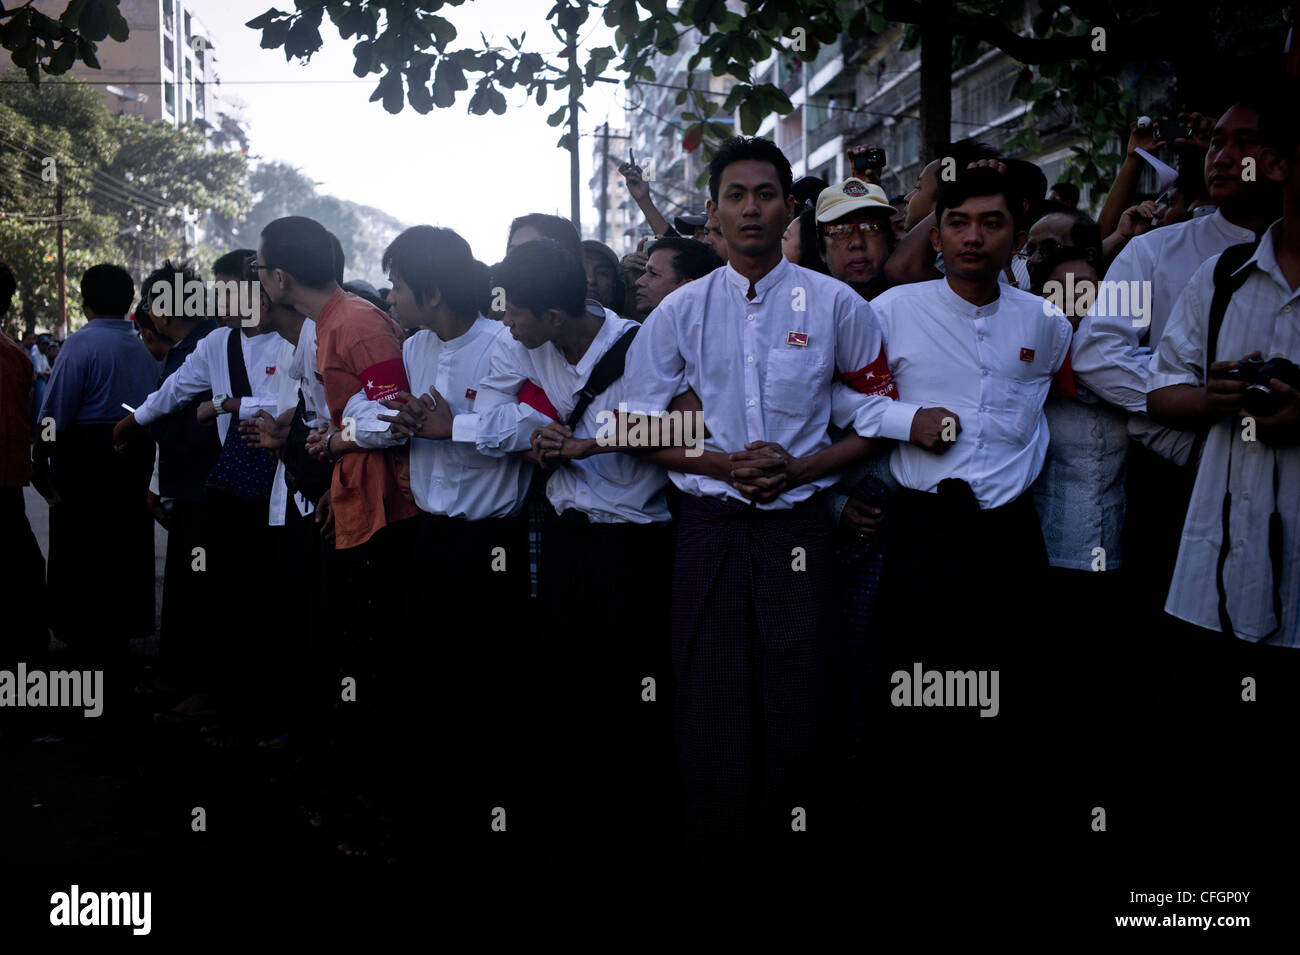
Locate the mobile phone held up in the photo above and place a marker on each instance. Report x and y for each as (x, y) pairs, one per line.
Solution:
(1167, 130)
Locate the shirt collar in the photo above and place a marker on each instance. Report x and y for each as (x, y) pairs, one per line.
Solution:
(331, 305)
(762, 285)
(1265, 258)
(460, 341)
(965, 309)
(1240, 233)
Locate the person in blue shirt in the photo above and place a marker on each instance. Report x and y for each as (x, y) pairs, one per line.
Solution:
(101, 531)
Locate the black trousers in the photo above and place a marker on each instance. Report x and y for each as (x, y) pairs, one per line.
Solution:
(22, 582)
(184, 637)
(101, 541)
(963, 592)
(754, 619)
(470, 586)
(604, 681)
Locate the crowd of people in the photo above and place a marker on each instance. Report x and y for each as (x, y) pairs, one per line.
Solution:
(400, 516)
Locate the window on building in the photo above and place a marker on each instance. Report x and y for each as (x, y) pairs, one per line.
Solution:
(198, 98)
(169, 96)
(189, 112)
(169, 56)
(168, 17)
(189, 69)
(187, 28)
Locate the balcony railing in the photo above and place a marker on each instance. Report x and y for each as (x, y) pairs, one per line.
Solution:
(827, 131)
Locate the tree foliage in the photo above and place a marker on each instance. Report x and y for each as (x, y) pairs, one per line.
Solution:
(125, 183)
(282, 190)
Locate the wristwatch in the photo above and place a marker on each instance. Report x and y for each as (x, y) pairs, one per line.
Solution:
(220, 400)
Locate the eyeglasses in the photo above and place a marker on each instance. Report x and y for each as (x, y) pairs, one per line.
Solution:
(1042, 248)
(841, 233)
(252, 264)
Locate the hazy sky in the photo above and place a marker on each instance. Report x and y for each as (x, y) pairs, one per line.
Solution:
(470, 173)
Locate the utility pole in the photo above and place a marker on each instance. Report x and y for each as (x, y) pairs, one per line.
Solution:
(569, 23)
(936, 79)
(63, 293)
(604, 180)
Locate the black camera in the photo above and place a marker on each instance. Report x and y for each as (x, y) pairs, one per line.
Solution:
(1259, 399)
(871, 159)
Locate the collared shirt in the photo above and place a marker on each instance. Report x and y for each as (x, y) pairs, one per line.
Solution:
(607, 488)
(765, 369)
(358, 347)
(100, 367)
(1263, 315)
(449, 477)
(1079, 495)
(1111, 354)
(295, 373)
(40, 363)
(991, 365)
(16, 375)
(206, 369)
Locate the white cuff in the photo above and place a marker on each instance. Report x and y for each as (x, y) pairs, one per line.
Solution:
(896, 421)
(464, 427)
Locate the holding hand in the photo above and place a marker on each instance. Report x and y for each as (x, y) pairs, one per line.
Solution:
(928, 427)
(263, 431)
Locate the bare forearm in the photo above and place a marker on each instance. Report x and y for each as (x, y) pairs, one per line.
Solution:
(652, 215)
(1185, 407)
(913, 260)
(1121, 190)
(834, 458)
(714, 464)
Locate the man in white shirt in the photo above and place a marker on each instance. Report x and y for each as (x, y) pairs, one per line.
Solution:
(763, 343)
(239, 542)
(472, 534)
(1111, 352)
(966, 559)
(607, 541)
(1252, 450)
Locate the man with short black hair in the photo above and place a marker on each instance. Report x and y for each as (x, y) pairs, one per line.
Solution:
(977, 357)
(670, 263)
(99, 517)
(539, 225)
(763, 343)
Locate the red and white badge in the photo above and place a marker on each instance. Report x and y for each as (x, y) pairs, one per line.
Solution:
(796, 338)
(270, 369)
(1026, 354)
(471, 394)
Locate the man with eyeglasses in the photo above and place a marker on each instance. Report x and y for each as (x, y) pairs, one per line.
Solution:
(855, 234)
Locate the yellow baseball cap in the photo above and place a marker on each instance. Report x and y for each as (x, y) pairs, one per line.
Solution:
(850, 196)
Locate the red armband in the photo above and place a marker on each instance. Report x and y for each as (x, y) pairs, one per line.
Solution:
(873, 379)
(385, 379)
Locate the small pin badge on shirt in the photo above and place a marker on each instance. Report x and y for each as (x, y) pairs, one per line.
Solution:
(471, 394)
(796, 338)
(270, 369)
(1026, 354)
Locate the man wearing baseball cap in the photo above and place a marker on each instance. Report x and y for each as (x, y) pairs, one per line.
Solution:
(854, 234)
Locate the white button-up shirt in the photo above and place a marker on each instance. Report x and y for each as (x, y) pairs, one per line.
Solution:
(448, 477)
(206, 369)
(1111, 354)
(297, 373)
(1263, 315)
(765, 369)
(607, 488)
(991, 365)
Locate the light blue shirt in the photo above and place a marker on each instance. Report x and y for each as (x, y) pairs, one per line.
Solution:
(100, 367)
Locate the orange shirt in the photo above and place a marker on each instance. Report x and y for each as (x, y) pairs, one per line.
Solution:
(358, 346)
(16, 373)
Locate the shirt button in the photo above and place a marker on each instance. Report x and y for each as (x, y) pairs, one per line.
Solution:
(750, 317)
(749, 358)
(983, 408)
(751, 402)
(984, 372)
(1240, 544)
(1245, 497)
(981, 444)
(1286, 308)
